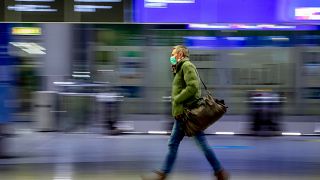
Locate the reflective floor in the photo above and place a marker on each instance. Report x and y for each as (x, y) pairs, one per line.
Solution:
(60, 156)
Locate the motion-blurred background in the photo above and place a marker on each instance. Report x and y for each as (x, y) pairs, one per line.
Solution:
(76, 73)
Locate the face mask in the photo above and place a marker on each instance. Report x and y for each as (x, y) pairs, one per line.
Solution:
(173, 60)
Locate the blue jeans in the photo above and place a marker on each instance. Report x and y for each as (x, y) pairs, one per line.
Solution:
(174, 142)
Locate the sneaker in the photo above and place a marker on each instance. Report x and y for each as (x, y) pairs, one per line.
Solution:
(156, 175)
(222, 175)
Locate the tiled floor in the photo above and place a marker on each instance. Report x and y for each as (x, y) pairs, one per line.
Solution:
(60, 156)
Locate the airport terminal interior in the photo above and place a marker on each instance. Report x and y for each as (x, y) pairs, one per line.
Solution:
(85, 87)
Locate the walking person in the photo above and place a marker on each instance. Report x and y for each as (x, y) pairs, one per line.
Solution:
(185, 89)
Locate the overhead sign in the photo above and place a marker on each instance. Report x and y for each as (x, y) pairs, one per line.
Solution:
(299, 11)
(307, 13)
(205, 11)
(61, 10)
(26, 31)
(226, 11)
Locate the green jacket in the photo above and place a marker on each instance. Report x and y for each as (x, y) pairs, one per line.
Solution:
(185, 86)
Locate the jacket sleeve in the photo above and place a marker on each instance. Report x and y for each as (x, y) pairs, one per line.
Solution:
(192, 84)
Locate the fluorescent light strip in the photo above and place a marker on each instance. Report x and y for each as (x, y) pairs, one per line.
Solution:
(81, 72)
(92, 7)
(224, 133)
(170, 1)
(201, 38)
(89, 8)
(209, 26)
(32, 8)
(106, 96)
(132, 132)
(280, 39)
(155, 5)
(29, 6)
(105, 70)
(97, 1)
(63, 83)
(291, 134)
(240, 26)
(236, 38)
(157, 132)
(76, 75)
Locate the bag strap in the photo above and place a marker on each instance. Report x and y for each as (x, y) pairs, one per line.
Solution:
(204, 85)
